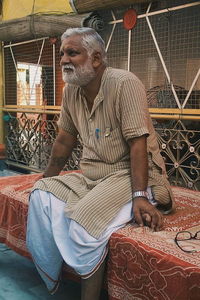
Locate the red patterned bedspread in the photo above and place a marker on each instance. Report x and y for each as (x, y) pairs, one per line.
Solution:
(142, 264)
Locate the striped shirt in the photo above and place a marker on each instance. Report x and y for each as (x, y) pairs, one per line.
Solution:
(119, 113)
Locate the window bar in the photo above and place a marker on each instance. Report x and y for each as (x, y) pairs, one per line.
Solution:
(162, 11)
(25, 42)
(3, 73)
(129, 50)
(54, 74)
(113, 29)
(191, 88)
(38, 62)
(13, 58)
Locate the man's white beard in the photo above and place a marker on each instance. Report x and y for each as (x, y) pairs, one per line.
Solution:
(81, 75)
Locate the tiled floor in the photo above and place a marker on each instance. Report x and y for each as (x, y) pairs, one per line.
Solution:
(5, 171)
(20, 281)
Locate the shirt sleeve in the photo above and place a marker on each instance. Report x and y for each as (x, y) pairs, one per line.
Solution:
(133, 109)
(65, 121)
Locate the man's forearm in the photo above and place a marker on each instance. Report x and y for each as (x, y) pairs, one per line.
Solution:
(139, 164)
(55, 165)
(144, 212)
(61, 150)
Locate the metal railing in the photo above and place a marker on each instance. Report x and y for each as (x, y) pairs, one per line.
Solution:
(29, 138)
(30, 135)
(180, 148)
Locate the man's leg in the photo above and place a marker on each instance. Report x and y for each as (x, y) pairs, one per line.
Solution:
(73, 243)
(40, 240)
(91, 287)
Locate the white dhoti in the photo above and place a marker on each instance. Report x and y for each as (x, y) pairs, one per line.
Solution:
(52, 238)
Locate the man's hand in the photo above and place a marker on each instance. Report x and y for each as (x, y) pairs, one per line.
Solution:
(146, 214)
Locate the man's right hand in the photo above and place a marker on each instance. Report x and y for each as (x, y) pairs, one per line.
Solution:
(147, 214)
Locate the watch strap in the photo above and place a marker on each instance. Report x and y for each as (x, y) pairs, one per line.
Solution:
(143, 194)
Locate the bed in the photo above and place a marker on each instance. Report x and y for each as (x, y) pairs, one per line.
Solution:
(141, 264)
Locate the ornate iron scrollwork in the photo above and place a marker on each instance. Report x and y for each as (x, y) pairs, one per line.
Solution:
(29, 143)
(180, 148)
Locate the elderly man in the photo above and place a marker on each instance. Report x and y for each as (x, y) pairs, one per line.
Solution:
(122, 178)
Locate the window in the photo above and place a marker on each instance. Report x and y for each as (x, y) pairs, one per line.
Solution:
(29, 84)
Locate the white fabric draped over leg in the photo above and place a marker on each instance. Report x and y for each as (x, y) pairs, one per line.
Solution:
(52, 238)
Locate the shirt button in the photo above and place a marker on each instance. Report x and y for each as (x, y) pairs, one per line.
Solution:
(90, 120)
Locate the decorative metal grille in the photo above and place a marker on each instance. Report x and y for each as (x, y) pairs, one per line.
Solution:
(180, 148)
(29, 141)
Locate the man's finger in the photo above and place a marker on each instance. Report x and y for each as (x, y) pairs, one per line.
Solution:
(160, 223)
(147, 219)
(157, 221)
(138, 218)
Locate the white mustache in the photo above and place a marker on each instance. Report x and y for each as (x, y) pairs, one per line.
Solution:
(68, 67)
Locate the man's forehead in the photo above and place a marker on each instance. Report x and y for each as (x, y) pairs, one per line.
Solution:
(74, 41)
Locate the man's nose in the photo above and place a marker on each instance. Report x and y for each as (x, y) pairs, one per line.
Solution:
(64, 59)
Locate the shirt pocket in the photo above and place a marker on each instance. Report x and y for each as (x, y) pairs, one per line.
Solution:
(112, 147)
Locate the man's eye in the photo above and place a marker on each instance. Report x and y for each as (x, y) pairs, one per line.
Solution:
(73, 53)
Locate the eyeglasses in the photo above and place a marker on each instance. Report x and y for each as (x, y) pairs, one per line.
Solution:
(183, 236)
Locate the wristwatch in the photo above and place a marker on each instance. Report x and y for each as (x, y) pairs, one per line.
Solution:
(143, 194)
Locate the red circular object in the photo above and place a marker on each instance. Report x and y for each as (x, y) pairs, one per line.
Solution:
(130, 19)
(53, 40)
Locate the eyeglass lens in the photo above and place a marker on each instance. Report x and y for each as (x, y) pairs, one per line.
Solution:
(188, 242)
(186, 235)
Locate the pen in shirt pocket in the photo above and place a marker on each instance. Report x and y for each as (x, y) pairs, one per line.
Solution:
(97, 133)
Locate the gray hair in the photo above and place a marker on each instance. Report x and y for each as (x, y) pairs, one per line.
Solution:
(91, 40)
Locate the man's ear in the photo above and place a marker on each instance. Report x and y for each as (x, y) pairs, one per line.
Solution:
(96, 59)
